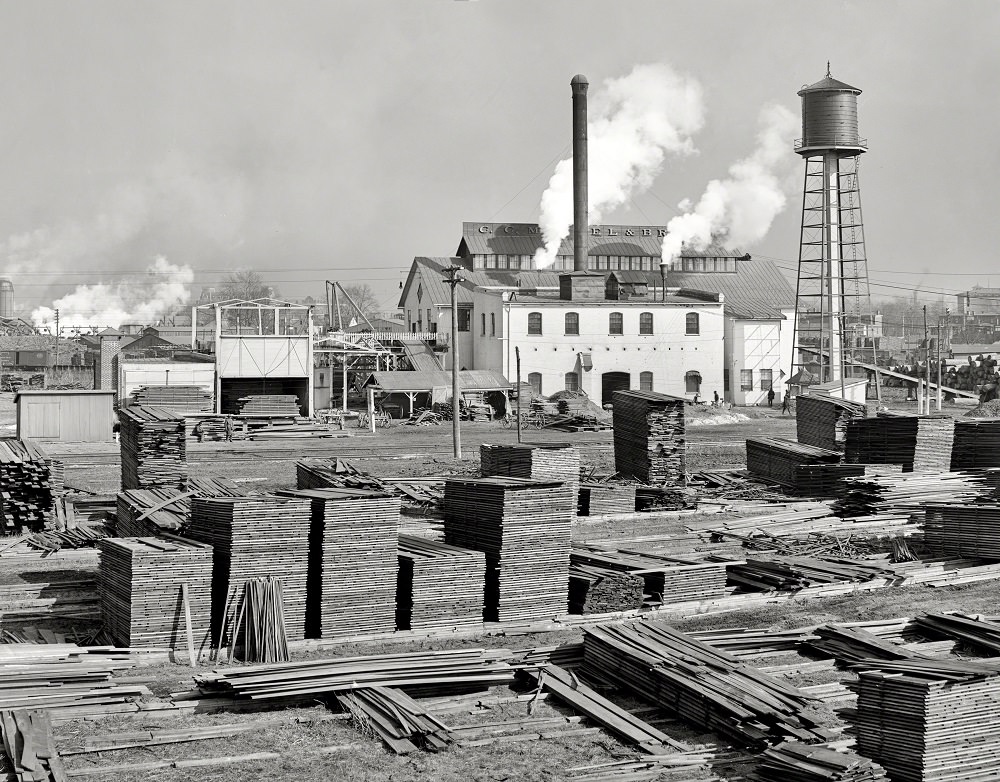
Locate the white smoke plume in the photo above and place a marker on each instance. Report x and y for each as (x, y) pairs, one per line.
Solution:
(634, 122)
(145, 300)
(739, 209)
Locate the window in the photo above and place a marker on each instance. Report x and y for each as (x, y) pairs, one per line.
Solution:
(616, 324)
(482, 317)
(493, 324)
(645, 381)
(692, 324)
(692, 382)
(646, 323)
(513, 261)
(464, 319)
(765, 379)
(535, 381)
(572, 324)
(572, 381)
(746, 380)
(534, 323)
(428, 318)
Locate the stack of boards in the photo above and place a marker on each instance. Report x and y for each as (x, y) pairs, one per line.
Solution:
(140, 582)
(150, 512)
(353, 548)
(649, 437)
(523, 527)
(152, 448)
(977, 444)
(921, 443)
(822, 420)
(269, 406)
(960, 530)
(603, 499)
(548, 462)
(780, 461)
(28, 482)
(181, 399)
(254, 537)
(439, 586)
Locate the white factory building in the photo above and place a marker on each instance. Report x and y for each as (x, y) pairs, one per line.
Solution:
(725, 324)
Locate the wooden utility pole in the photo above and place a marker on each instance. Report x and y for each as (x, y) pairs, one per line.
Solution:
(927, 361)
(456, 429)
(517, 357)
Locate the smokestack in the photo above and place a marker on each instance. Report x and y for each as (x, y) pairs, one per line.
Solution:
(579, 85)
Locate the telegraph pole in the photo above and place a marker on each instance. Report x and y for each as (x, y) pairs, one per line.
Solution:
(517, 356)
(927, 361)
(456, 430)
(55, 359)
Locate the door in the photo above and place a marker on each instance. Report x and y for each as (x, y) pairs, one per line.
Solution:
(614, 381)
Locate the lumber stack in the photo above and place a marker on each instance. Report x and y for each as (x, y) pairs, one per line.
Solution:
(29, 481)
(523, 526)
(854, 644)
(977, 632)
(601, 499)
(180, 399)
(254, 537)
(909, 493)
(403, 724)
(649, 437)
(977, 444)
(781, 572)
(353, 560)
(778, 460)
(269, 406)
(794, 761)
(962, 530)
(930, 720)
(438, 585)
(151, 512)
(31, 751)
(152, 448)
(333, 474)
(543, 462)
(597, 590)
(822, 420)
(140, 583)
(921, 443)
(704, 686)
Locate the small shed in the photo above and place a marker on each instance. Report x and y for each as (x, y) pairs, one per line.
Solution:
(69, 416)
(423, 389)
(624, 285)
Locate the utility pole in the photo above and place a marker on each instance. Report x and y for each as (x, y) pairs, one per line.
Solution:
(927, 362)
(456, 430)
(55, 360)
(517, 356)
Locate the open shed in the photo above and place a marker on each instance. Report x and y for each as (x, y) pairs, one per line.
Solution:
(69, 416)
(409, 390)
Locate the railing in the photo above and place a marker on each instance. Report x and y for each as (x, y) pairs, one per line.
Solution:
(831, 141)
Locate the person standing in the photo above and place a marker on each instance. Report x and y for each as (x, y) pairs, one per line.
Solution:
(786, 404)
(715, 399)
(770, 397)
(229, 428)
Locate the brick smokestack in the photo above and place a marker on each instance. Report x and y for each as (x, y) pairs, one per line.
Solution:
(579, 85)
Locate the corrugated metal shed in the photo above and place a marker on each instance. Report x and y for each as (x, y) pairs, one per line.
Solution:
(70, 416)
(468, 380)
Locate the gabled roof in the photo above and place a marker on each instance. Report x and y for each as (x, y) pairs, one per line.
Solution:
(526, 238)
(757, 291)
(468, 380)
(428, 275)
(630, 277)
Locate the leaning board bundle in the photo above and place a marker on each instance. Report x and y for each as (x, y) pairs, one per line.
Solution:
(649, 437)
(152, 448)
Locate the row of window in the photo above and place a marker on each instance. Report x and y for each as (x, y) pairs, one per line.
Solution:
(692, 382)
(637, 263)
(616, 323)
(746, 379)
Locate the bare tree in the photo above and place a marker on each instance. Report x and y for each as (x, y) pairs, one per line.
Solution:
(365, 298)
(246, 284)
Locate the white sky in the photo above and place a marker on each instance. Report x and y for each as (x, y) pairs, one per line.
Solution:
(336, 140)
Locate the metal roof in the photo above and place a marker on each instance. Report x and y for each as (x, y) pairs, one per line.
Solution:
(428, 275)
(829, 84)
(757, 291)
(468, 380)
(630, 277)
(526, 238)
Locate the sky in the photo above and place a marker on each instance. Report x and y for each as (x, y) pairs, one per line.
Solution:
(339, 139)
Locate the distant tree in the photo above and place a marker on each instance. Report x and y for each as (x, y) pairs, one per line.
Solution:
(364, 297)
(245, 284)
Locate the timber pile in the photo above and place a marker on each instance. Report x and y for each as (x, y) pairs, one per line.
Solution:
(254, 537)
(600, 499)
(180, 399)
(29, 481)
(35, 601)
(353, 559)
(269, 406)
(334, 474)
(541, 462)
(150, 512)
(649, 437)
(784, 573)
(142, 583)
(825, 480)
(821, 421)
(152, 448)
(909, 493)
(977, 444)
(977, 632)
(853, 644)
(403, 724)
(524, 528)
(597, 590)
(921, 443)
(930, 720)
(704, 686)
(778, 460)
(31, 751)
(438, 585)
(956, 530)
(442, 671)
(793, 761)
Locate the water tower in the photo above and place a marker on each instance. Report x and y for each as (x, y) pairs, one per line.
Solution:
(833, 324)
(6, 299)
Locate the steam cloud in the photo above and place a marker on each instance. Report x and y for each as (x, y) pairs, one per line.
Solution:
(739, 209)
(635, 122)
(165, 287)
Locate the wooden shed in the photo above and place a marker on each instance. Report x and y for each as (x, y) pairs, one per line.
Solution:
(69, 416)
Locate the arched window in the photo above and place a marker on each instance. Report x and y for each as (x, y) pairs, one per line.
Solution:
(535, 381)
(616, 324)
(572, 324)
(691, 324)
(645, 381)
(534, 323)
(692, 382)
(572, 381)
(645, 322)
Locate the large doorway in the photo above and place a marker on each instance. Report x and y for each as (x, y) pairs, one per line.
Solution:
(614, 381)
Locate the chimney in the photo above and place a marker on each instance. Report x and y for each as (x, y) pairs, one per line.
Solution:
(580, 202)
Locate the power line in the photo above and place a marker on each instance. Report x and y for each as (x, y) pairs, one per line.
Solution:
(544, 168)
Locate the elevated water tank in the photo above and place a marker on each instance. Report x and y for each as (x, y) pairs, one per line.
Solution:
(830, 118)
(6, 299)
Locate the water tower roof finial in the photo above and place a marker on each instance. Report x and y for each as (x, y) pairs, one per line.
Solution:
(828, 69)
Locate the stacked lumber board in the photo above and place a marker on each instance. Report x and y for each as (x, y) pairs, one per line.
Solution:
(930, 720)
(822, 420)
(524, 528)
(921, 443)
(825, 480)
(438, 585)
(601, 499)
(142, 583)
(254, 537)
(353, 561)
(598, 590)
(955, 530)
(854, 644)
(793, 761)
(152, 448)
(977, 444)
(778, 460)
(27, 741)
(333, 474)
(151, 512)
(649, 437)
(780, 572)
(269, 406)
(29, 481)
(442, 671)
(181, 399)
(909, 493)
(402, 723)
(976, 632)
(543, 462)
(704, 686)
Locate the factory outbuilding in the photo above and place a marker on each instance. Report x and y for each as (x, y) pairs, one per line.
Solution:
(69, 416)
